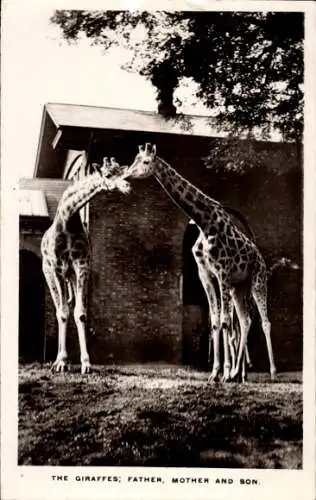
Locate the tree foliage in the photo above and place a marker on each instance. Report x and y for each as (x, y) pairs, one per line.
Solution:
(247, 67)
(235, 156)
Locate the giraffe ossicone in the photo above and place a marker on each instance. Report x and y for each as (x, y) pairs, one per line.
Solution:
(65, 249)
(222, 251)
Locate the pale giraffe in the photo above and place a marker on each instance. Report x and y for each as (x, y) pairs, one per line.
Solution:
(234, 334)
(221, 250)
(66, 252)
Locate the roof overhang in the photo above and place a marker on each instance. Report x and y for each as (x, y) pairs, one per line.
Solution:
(100, 118)
(39, 197)
(32, 202)
(70, 126)
(74, 127)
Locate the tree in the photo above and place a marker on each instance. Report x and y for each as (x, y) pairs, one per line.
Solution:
(248, 67)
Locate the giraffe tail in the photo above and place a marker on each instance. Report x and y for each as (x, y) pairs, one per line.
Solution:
(284, 263)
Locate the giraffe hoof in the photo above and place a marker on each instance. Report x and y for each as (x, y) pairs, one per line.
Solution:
(212, 380)
(85, 367)
(226, 375)
(60, 366)
(213, 377)
(234, 376)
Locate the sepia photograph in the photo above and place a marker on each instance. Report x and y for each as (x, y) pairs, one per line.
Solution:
(160, 245)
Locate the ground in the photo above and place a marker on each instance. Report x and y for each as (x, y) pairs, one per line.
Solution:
(158, 416)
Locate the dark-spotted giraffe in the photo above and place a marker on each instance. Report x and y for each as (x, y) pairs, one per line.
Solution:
(65, 252)
(221, 250)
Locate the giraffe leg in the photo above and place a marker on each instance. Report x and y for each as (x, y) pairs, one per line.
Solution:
(243, 370)
(232, 349)
(244, 363)
(241, 303)
(207, 282)
(226, 315)
(234, 345)
(214, 336)
(248, 358)
(57, 288)
(259, 292)
(243, 376)
(80, 315)
(252, 314)
(233, 339)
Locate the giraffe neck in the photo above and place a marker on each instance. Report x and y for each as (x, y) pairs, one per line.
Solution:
(77, 195)
(189, 198)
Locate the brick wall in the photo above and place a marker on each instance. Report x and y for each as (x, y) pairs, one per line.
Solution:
(135, 305)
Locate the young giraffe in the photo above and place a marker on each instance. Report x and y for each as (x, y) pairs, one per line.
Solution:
(282, 263)
(65, 251)
(221, 250)
(234, 334)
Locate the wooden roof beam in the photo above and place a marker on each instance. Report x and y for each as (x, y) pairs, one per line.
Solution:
(57, 138)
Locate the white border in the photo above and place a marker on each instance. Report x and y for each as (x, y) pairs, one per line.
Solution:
(35, 482)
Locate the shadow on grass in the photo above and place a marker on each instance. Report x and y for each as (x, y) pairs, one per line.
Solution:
(65, 421)
(219, 442)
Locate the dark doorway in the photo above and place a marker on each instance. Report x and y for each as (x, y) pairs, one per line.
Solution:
(195, 306)
(31, 308)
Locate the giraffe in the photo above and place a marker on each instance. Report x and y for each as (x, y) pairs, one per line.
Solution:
(65, 249)
(221, 250)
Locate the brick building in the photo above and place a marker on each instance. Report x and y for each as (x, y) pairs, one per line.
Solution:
(145, 301)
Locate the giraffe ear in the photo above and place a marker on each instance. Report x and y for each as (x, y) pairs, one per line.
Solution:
(154, 150)
(106, 162)
(141, 148)
(113, 162)
(95, 167)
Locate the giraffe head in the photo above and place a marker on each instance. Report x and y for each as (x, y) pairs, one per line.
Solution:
(111, 168)
(144, 163)
(113, 175)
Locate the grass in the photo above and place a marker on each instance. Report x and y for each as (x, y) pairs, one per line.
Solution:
(158, 416)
